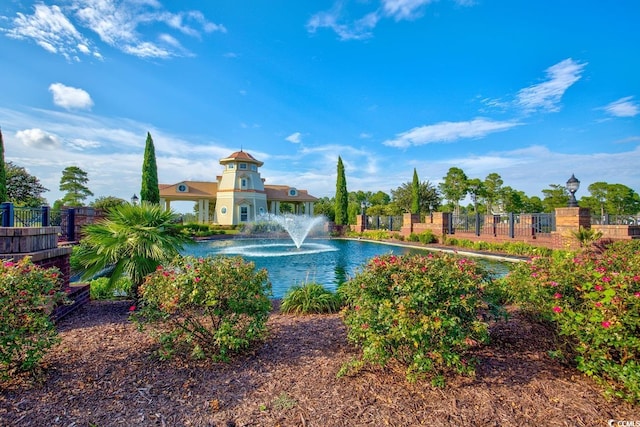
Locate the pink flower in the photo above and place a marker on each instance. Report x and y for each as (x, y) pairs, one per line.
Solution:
(132, 308)
(606, 279)
(636, 294)
(557, 309)
(557, 295)
(197, 279)
(554, 284)
(598, 304)
(9, 264)
(158, 268)
(636, 278)
(598, 287)
(606, 324)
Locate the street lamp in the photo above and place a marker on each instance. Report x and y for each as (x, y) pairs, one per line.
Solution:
(572, 185)
(134, 200)
(363, 205)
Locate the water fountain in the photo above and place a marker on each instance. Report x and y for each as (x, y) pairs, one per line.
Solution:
(297, 226)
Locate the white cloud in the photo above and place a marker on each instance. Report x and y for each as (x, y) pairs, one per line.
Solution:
(547, 95)
(295, 138)
(50, 28)
(70, 98)
(404, 9)
(449, 131)
(356, 30)
(623, 107)
(37, 138)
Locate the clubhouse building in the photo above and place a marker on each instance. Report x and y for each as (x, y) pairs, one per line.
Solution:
(239, 195)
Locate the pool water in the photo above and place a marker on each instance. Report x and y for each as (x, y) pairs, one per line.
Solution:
(325, 261)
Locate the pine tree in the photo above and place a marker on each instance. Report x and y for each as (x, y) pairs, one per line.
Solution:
(342, 196)
(73, 183)
(149, 192)
(415, 193)
(3, 172)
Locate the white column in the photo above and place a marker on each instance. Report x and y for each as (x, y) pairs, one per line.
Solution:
(206, 210)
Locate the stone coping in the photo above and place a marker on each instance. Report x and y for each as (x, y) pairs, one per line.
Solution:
(40, 255)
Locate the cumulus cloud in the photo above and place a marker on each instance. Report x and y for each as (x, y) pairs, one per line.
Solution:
(546, 96)
(37, 138)
(404, 9)
(295, 138)
(449, 132)
(70, 98)
(623, 107)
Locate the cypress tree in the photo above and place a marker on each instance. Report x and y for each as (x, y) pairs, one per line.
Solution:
(149, 192)
(415, 193)
(342, 196)
(3, 172)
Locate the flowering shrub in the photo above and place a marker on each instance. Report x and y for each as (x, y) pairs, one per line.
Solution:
(214, 306)
(594, 300)
(27, 295)
(421, 310)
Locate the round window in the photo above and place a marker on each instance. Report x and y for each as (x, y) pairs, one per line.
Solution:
(261, 211)
(182, 188)
(223, 210)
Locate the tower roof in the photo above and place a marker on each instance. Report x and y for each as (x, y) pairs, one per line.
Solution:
(241, 156)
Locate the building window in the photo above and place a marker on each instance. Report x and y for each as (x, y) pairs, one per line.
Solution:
(243, 183)
(182, 188)
(261, 210)
(254, 168)
(293, 192)
(223, 210)
(244, 213)
(231, 166)
(243, 165)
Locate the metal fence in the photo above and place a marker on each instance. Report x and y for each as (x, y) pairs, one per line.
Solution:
(383, 222)
(607, 219)
(21, 216)
(510, 224)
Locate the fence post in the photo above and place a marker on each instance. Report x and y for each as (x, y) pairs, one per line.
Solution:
(45, 215)
(71, 224)
(390, 223)
(7, 214)
(512, 225)
(450, 223)
(477, 224)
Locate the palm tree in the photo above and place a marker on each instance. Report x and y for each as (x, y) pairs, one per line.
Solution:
(132, 241)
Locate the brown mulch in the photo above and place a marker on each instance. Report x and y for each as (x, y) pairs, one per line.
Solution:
(104, 373)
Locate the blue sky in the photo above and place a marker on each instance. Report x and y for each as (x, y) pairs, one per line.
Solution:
(533, 91)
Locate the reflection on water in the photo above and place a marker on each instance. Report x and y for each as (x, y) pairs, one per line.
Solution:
(328, 262)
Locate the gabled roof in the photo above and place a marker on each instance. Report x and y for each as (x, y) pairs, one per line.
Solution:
(281, 194)
(196, 190)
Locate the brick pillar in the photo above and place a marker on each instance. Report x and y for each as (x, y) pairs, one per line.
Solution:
(569, 220)
(408, 220)
(361, 223)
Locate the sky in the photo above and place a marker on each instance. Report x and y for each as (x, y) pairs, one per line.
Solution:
(533, 91)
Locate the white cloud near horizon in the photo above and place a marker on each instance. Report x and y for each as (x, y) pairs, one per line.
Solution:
(623, 107)
(546, 96)
(38, 139)
(70, 98)
(117, 23)
(449, 132)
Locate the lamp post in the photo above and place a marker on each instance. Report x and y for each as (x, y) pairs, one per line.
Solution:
(134, 200)
(363, 205)
(572, 185)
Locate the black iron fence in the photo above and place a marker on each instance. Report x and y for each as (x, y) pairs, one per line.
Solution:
(607, 219)
(510, 224)
(384, 222)
(21, 216)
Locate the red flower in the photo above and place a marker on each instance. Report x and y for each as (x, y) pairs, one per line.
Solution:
(557, 309)
(132, 308)
(598, 287)
(606, 324)
(557, 295)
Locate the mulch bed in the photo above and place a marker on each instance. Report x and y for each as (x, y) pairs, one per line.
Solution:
(104, 373)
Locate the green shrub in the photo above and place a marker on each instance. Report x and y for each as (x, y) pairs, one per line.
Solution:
(28, 294)
(310, 298)
(594, 301)
(376, 234)
(413, 237)
(102, 289)
(427, 237)
(212, 306)
(421, 310)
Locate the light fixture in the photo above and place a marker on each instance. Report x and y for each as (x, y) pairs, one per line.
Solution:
(572, 185)
(134, 200)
